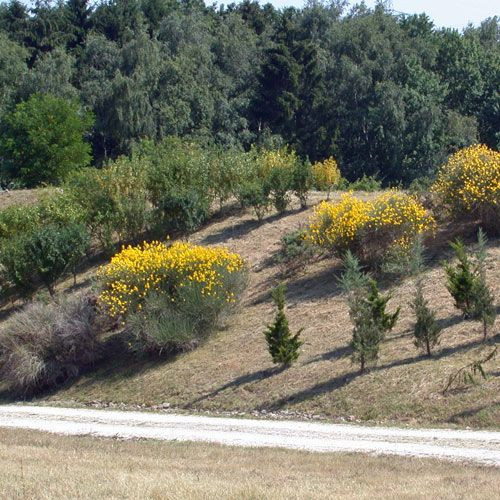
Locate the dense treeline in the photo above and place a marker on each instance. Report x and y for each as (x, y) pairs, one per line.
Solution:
(381, 93)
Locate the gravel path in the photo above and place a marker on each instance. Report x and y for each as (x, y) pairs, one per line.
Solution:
(474, 446)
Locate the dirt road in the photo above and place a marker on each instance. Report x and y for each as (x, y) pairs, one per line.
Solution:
(475, 446)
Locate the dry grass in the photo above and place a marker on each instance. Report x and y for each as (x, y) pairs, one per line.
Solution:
(36, 465)
(21, 196)
(233, 371)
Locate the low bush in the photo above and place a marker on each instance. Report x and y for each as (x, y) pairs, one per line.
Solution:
(46, 344)
(43, 256)
(326, 175)
(254, 194)
(302, 181)
(161, 328)
(275, 169)
(368, 183)
(370, 229)
(469, 184)
(295, 253)
(183, 210)
(113, 201)
(135, 272)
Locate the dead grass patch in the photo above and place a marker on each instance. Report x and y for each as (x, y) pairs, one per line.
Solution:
(43, 466)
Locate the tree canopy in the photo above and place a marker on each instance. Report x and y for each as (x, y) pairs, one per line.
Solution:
(385, 94)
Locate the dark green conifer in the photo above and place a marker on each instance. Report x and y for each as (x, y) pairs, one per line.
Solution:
(283, 346)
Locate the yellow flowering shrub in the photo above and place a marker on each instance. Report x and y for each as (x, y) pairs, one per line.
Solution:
(470, 181)
(369, 228)
(326, 174)
(158, 267)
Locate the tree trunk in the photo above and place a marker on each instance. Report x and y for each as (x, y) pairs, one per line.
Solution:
(427, 345)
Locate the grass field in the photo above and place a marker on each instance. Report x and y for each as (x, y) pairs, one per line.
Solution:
(42, 466)
(232, 371)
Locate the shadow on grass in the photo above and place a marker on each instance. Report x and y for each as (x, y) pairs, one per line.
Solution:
(243, 228)
(458, 418)
(338, 353)
(342, 380)
(237, 382)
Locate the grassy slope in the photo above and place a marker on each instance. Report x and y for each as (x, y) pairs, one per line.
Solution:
(36, 465)
(233, 372)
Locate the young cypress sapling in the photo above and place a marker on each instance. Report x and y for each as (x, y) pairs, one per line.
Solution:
(483, 307)
(282, 345)
(425, 330)
(461, 279)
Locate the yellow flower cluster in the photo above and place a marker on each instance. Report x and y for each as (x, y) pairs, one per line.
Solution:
(136, 271)
(326, 174)
(470, 179)
(395, 215)
(335, 225)
(281, 159)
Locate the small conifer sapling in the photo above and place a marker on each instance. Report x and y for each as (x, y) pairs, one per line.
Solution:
(282, 345)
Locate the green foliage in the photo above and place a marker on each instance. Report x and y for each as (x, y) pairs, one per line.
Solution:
(366, 183)
(277, 183)
(295, 253)
(163, 326)
(466, 282)
(283, 346)
(376, 305)
(255, 194)
(484, 303)
(46, 344)
(42, 140)
(160, 328)
(366, 310)
(425, 330)
(184, 211)
(42, 256)
(462, 279)
(302, 180)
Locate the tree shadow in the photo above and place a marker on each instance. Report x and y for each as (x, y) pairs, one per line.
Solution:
(458, 418)
(316, 390)
(309, 287)
(242, 228)
(338, 353)
(244, 379)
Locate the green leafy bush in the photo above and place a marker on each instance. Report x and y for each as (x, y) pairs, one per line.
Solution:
(43, 140)
(366, 183)
(255, 195)
(296, 252)
(42, 256)
(46, 344)
(183, 210)
(302, 179)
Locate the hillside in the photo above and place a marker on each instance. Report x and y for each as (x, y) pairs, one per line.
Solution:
(232, 371)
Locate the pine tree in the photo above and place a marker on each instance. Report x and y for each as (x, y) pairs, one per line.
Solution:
(377, 304)
(367, 335)
(426, 331)
(366, 310)
(462, 279)
(483, 307)
(283, 346)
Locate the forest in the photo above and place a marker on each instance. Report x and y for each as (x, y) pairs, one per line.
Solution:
(386, 95)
